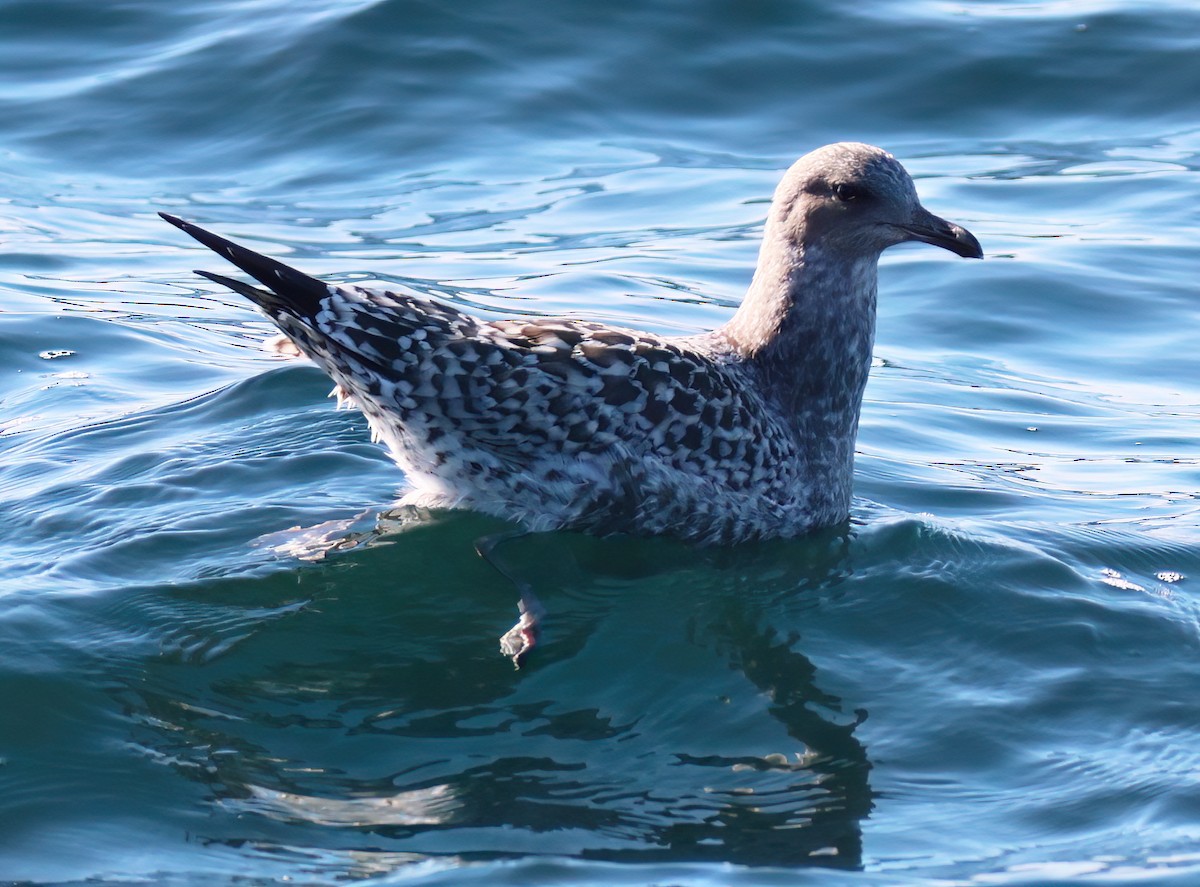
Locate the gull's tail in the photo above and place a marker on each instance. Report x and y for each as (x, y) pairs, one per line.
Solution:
(288, 291)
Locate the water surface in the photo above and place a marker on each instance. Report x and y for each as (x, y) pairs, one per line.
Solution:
(224, 656)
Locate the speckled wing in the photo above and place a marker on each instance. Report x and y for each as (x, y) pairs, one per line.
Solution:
(512, 392)
(554, 422)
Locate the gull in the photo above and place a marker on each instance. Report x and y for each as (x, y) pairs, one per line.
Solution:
(745, 432)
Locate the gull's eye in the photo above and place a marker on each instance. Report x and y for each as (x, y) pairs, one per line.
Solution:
(847, 193)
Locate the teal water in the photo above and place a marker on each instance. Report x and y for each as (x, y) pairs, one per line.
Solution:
(224, 659)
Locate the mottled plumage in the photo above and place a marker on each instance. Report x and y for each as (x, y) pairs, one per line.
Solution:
(742, 433)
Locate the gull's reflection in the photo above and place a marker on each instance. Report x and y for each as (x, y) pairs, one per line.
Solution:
(376, 717)
(797, 808)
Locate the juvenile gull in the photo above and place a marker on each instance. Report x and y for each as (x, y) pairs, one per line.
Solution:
(745, 432)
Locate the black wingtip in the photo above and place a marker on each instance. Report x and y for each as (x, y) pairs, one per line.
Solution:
(264, 299)
(293, 291)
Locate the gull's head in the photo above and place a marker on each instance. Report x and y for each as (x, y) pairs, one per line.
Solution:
(857, 200)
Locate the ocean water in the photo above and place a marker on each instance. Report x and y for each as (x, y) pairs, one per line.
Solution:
(225, 658)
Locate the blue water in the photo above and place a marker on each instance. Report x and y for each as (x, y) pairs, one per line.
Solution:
(225, 659)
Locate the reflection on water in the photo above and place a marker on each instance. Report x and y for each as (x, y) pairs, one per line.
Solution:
(427, 806)
(417, 740)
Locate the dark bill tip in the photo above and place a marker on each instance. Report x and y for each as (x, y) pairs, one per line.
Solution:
(938, 232)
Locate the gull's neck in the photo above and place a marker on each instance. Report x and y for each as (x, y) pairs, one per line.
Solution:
(807, 326)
